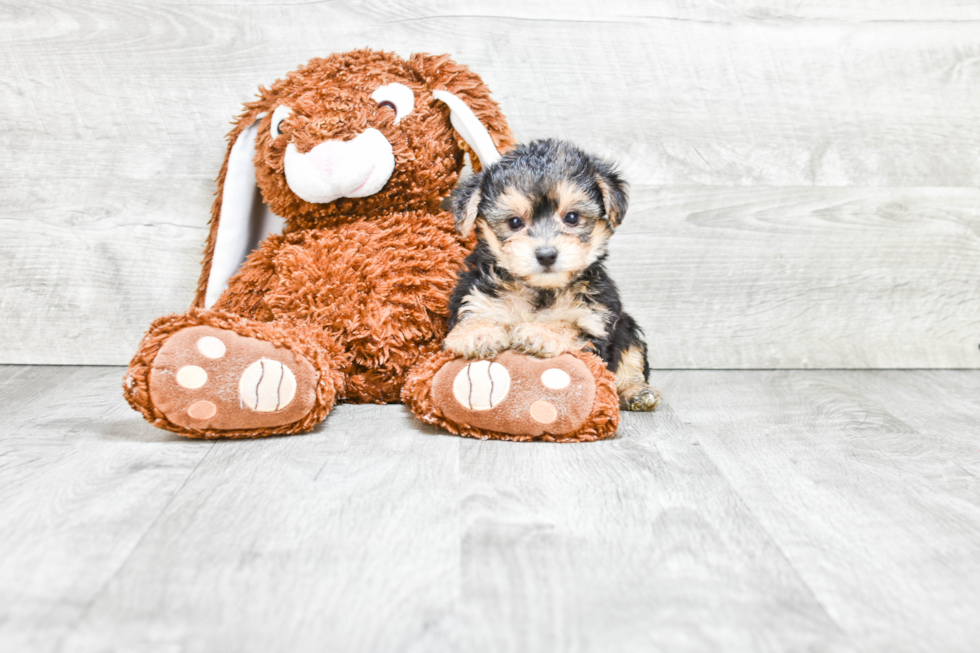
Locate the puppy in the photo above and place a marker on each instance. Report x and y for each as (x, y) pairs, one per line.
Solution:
(536, 283)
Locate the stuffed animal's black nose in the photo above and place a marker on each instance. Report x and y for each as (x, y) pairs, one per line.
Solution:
(546, 255)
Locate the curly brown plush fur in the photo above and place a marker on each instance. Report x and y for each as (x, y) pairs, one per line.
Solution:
(380, 286)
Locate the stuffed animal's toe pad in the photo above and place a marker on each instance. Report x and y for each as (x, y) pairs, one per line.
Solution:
(210, 378)
(516, 394)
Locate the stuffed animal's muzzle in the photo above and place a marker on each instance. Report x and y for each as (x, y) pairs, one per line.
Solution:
(335, 169)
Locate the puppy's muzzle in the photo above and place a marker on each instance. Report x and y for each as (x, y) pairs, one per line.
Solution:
(335, 169)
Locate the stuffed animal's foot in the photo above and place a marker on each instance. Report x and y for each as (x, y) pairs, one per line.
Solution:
(207, 379)
(517, 395)
(568, 398)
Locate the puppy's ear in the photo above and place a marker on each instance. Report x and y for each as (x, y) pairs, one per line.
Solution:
(614, 193)
(466, 203)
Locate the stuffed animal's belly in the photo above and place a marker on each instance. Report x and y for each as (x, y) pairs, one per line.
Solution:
(382, 290)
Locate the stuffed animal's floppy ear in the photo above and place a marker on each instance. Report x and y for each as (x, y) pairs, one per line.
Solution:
(614, 193)
(476, 118)
(466, 203)
(240, 220)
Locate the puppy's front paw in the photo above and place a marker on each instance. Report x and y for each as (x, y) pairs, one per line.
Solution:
(540, 340)
(644, 399)
(477, 340)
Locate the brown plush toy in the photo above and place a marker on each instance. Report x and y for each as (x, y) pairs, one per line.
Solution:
(329, 265)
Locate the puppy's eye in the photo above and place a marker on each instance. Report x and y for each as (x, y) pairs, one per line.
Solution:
(515, 223)
(397, 97)
(571, 218)
(278, 117)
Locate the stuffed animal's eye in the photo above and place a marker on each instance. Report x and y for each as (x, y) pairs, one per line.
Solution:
(278, 116)
(571, 218)
(397, 97)
(515, 223)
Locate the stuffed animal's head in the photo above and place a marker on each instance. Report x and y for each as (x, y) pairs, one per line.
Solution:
(355, 135)
(365, 132)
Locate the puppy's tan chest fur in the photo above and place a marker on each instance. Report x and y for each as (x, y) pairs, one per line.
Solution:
(517, 304)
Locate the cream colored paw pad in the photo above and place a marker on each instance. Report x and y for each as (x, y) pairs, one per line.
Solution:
(211, 347)
(192, 377)
(555, 379)
(481, 385)
(544, 412)
(267, 386)
(202, 410)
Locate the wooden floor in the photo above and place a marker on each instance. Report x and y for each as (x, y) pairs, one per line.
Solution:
(759, 510)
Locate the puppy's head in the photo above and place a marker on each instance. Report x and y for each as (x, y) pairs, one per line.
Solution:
(545, 210)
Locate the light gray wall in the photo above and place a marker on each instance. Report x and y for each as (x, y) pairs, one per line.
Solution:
(805, 174)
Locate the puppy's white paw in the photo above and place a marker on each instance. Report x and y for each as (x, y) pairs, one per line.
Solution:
(477, 340)
(541, 340)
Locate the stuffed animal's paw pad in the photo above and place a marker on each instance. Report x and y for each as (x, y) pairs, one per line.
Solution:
(481, 385)
(267, 386)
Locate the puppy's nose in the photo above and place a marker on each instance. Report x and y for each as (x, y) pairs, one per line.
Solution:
(546, 255)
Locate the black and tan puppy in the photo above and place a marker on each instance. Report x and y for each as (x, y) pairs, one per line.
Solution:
(536, 283)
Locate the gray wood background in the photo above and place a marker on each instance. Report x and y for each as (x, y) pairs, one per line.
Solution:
(805, 174)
